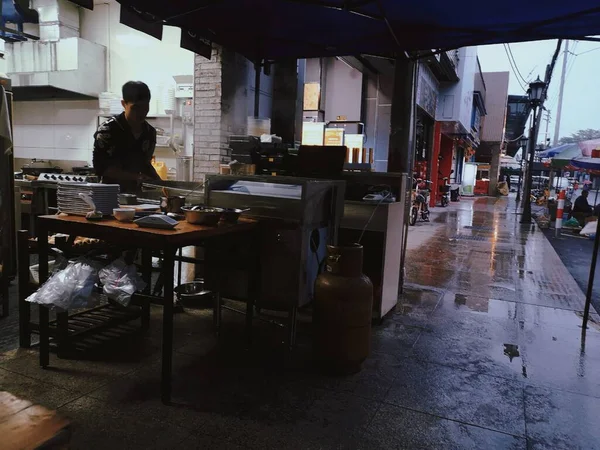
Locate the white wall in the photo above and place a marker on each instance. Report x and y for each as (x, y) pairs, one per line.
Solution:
(344, 91)
(55, 130)
(455, 102)
(64, 129)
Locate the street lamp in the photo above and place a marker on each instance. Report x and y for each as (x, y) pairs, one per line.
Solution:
(522, 143)
(536, 98)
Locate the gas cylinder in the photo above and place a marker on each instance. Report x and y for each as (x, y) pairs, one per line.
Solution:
(343, 305)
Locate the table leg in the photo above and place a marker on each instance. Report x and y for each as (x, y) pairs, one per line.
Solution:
(167, 344)
(292, 323)
(253, 284)
(24, 307)
(147, 277)
(217, 312)
(42, 236)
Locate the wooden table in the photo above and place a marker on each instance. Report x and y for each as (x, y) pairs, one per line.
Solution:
(132, 236)
(24, 425)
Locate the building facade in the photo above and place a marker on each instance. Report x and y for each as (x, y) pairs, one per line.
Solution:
(460, 109)
(492, 136)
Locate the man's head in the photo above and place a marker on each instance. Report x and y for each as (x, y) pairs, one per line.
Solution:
(136, 101)
(585, 194)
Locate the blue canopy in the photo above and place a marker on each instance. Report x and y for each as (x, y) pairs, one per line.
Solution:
(586, 163)
(275, 29)
(552, 152)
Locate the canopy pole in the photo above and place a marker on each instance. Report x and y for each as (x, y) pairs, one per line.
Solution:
(256, 88)
(588, 295)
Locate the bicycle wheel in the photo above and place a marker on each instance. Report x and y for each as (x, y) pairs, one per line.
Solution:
(413, 215)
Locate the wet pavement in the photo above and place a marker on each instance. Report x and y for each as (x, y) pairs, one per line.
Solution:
(576, 254)
(484, 351)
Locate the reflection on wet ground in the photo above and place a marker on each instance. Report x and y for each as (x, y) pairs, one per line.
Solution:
(506, 309)
(483, 351)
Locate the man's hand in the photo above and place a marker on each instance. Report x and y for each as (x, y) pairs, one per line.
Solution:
(141, 177)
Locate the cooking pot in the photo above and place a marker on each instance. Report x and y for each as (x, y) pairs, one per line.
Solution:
(172, 204)
(203, 215)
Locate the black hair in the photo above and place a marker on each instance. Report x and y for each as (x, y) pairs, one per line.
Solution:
(136, 91)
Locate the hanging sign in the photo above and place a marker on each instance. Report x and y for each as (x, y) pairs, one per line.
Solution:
(193, 42)
(141, 21)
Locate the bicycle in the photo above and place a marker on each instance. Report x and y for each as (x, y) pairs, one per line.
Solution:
(445, 191)
(420, 201)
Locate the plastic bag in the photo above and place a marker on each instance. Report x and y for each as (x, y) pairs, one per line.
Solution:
(589, 229)
(572, 222)
(68, 288)
(120, 281)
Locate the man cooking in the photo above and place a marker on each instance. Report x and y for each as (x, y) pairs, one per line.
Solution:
(124, 144)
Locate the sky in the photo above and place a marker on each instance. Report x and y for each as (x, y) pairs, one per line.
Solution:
(581, 101)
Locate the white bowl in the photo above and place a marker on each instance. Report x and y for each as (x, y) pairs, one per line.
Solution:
(124, 214)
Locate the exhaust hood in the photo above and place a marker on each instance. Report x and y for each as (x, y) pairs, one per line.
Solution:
(61, 65)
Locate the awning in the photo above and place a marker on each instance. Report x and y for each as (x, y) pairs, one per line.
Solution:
(554, 151)
(509, 162)
(274, 29)
(563, 159)
(586, 163)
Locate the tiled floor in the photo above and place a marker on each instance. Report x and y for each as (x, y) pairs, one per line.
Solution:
(484, 351)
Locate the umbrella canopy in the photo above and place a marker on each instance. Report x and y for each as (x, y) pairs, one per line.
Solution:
(508, 162)
(563, 159)
(552, 152)
(274, 29)
(586, 163)
(587, 146)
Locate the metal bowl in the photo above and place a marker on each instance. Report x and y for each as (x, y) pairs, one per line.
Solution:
(203, 215)
(193, 295)
(231, 215)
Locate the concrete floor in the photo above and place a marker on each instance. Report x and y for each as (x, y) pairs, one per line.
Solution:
(483, 351)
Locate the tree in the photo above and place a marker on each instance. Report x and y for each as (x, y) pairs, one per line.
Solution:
(581, 135)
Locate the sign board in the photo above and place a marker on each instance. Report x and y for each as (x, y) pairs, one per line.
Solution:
(312, 133)
(334, 136)
(312, 97)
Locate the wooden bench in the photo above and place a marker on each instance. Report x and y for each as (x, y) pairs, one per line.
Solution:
(24, 425)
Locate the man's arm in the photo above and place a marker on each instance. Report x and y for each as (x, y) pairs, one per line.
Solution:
(149, 169)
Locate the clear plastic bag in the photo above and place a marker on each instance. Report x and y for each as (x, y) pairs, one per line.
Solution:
(120, 281)
(68, 288)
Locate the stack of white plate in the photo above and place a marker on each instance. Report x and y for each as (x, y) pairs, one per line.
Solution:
(104, 196)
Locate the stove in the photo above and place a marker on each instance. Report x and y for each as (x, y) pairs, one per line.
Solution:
(58, 177)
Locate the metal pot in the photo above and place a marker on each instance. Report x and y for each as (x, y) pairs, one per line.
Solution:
(127, 199)
(194, 295)
(172, 204)
(231, 215)
(203, 215)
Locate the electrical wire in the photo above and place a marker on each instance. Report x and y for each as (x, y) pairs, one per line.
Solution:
(515, 63)
(587, 51)
(513, 69)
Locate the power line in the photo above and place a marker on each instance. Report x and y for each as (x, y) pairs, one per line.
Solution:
(515, 63)
(513, 69)
(587, 51)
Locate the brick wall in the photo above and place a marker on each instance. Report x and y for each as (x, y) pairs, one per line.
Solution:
(220, 96)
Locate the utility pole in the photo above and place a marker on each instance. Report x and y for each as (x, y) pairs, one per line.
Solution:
(561, 91)
(537, 103)
(546, 140)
